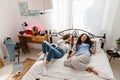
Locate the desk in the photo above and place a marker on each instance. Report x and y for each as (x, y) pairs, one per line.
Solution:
(24, 39)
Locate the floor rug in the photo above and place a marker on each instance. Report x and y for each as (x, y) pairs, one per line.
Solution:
(26, 66)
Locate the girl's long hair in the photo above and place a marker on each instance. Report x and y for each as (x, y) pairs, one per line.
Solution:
(66, 36)
(88, 41)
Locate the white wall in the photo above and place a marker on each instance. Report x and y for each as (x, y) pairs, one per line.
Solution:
(44, 20)
(10, 22)
(9, 19)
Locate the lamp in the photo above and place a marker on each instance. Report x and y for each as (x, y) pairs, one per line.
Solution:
(24, 25)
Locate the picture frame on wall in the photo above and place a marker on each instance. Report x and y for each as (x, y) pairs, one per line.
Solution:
(23, 8)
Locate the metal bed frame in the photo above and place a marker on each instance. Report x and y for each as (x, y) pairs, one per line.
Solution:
(75, 33)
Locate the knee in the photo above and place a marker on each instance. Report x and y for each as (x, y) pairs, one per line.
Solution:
(74, 62)
(68, 63)
(44, 43)
(51, 51)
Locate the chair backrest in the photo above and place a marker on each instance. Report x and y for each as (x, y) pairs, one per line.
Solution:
(7, 39)
(10, 48)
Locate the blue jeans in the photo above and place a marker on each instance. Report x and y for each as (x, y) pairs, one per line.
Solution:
(53, 52)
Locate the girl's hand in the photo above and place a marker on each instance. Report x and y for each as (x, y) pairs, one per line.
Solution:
(66, 41)
(94, 48)
(94, 43)
(68, 56)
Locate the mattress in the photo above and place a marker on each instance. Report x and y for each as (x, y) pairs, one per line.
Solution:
(57, 70)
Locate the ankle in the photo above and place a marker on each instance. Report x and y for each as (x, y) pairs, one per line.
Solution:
(88, 70)
(45, 65)
(47, 62)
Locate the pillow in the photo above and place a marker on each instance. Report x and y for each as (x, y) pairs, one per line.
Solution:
(98, 45)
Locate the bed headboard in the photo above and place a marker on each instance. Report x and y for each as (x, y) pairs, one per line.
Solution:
(76, 33)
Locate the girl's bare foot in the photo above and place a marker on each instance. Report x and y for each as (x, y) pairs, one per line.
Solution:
(47, 62)
(90, 69)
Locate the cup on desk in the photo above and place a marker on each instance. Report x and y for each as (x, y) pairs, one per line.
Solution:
(35, 34)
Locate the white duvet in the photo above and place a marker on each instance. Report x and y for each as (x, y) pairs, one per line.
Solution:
(57, 70)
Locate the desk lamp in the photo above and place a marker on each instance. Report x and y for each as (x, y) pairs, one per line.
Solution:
(24, 25)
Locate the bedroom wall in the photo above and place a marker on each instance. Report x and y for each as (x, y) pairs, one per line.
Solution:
(43, 20)
(10, 21)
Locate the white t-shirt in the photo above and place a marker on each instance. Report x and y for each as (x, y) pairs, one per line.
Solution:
(66, 47)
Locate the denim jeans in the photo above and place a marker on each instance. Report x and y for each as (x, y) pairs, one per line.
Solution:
(53, 52)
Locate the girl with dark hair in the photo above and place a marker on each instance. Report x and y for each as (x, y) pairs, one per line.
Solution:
(82, 51)
(52, 52)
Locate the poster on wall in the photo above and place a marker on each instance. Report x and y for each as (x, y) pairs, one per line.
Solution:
(34, 7)
(24, 11)
(23, 7)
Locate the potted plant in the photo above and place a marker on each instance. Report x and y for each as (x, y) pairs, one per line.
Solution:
(118, 43)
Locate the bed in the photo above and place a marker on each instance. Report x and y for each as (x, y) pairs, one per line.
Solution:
(57, 70)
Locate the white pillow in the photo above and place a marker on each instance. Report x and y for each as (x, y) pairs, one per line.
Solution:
(98, 45)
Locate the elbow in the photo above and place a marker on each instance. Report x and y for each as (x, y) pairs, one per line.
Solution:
(93, 52)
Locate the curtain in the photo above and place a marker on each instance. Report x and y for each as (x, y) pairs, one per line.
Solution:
(95, 16)
(88, 15)
(62, 15)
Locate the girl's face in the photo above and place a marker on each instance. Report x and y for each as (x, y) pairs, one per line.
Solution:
(70, 38)
(83, 38)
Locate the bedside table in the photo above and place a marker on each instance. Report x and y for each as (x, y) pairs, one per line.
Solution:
(112, 54)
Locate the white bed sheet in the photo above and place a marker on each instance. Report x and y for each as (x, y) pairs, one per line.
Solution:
(57, 70)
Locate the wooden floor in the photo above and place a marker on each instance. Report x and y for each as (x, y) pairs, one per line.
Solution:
(8, 66)
(26, 66)
(115, 64)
